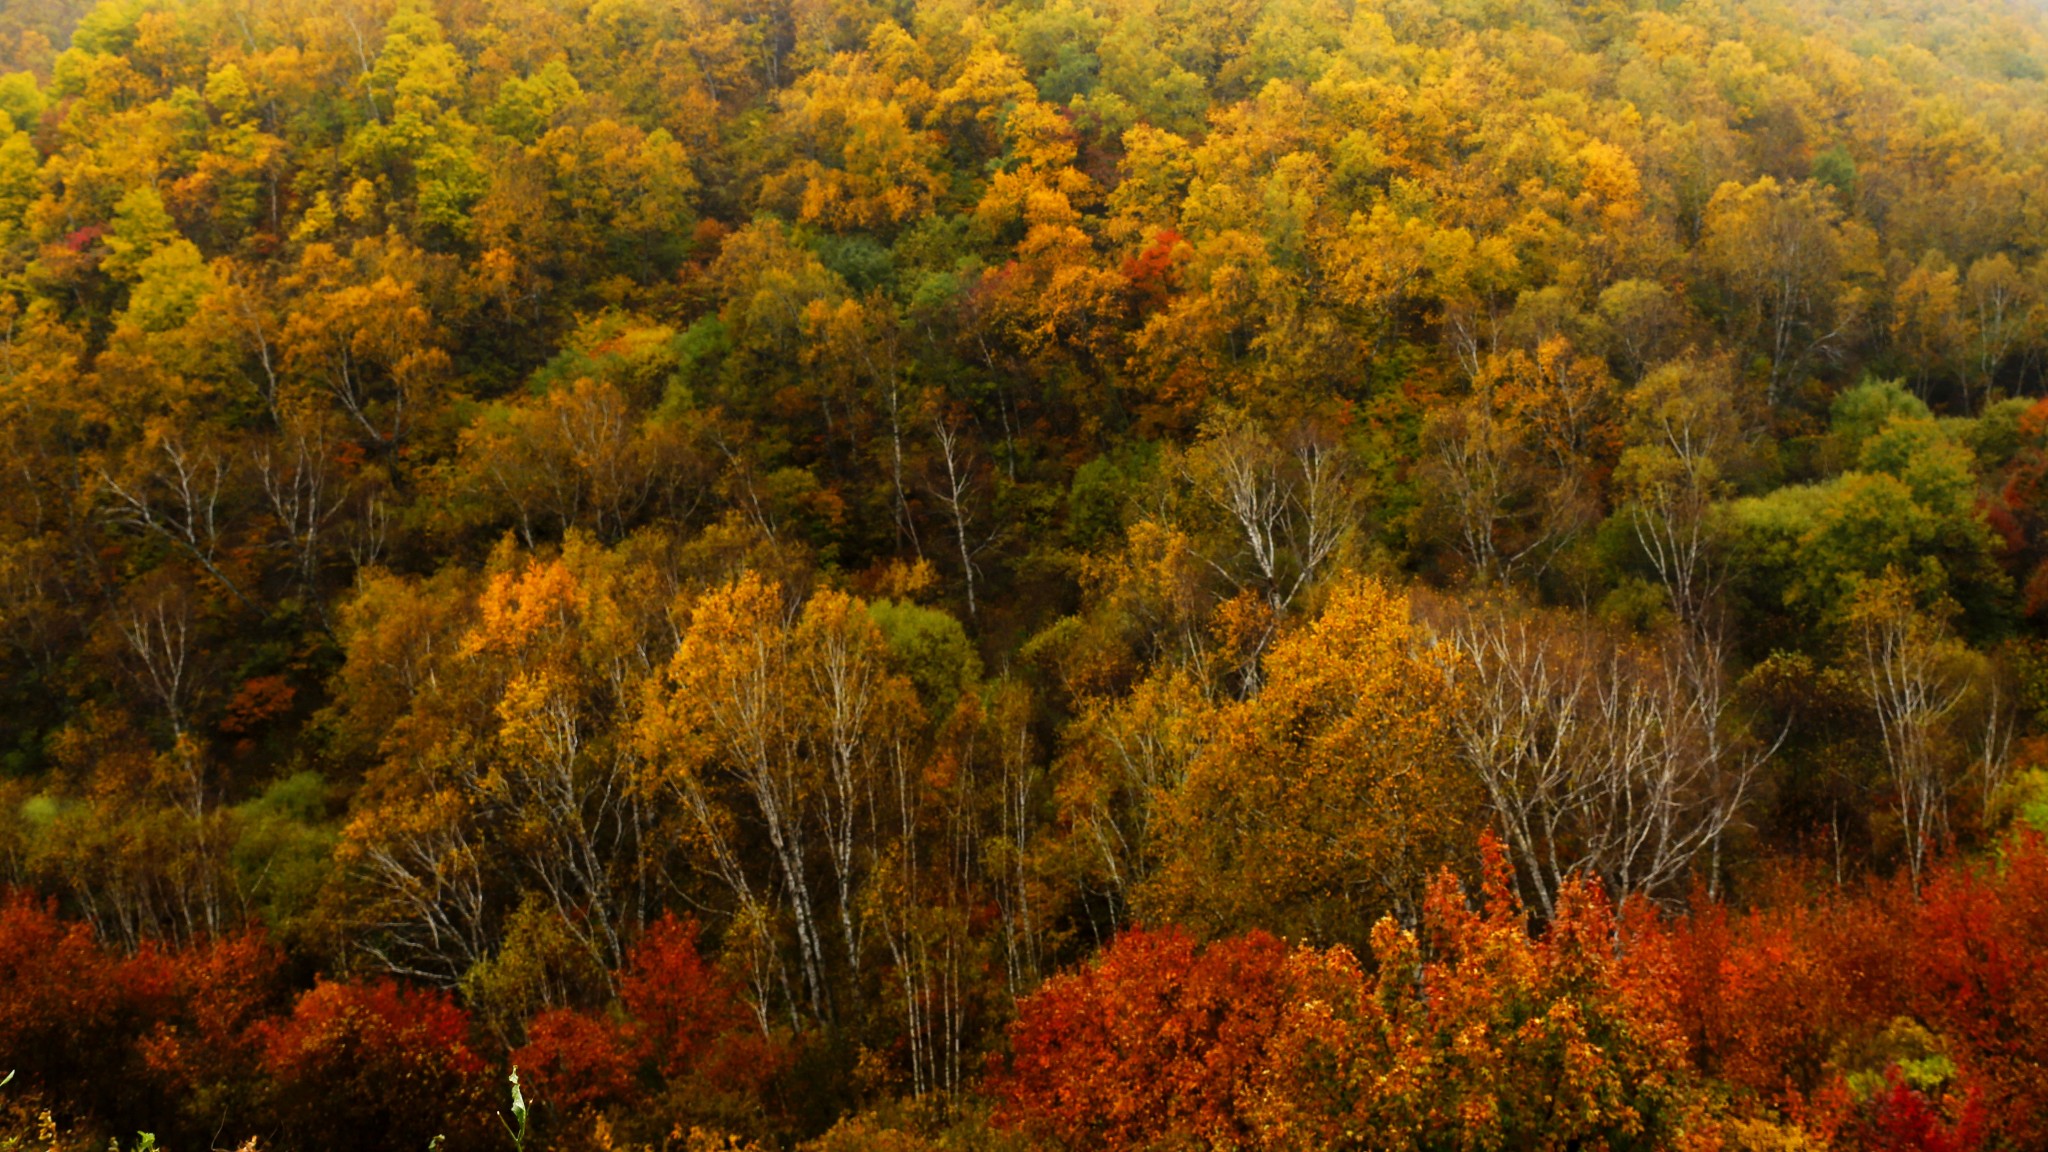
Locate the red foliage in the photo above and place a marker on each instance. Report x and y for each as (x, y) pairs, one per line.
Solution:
(1766, 998)
(1900, 1118)
(1491, 1037)
(1974, 956)
(1774, 999)
(577, 1062)
(86, 237)
(375, 1064)
(189, 1041)
(2020, 512)
(66, 998)
(257, 702)
(206, 1053)
(1154, 273)
(684, 1004)
(155, 1038)
(1157, 1038)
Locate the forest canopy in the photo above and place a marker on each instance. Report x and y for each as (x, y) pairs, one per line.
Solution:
(1061, 574)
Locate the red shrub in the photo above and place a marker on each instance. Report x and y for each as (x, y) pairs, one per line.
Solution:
(683, 1003)
(1785, 1000)
(1900, 1118)
(70, 1009)
(376, 1065)
(1974, 959)
(1473, 1034)
(205, 1052)
(1491, 1038)
(576, 1062)
(1157, 1038)
(1766, 997)
(164, 1038)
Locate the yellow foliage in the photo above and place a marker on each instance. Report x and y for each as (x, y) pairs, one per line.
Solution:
(1316, 803)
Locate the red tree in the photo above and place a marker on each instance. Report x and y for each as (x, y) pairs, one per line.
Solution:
(575, 1062)
(376, 1065)
(68, 1002)
(1159, 1037)
(203, 1054)
(1900, 1118)
(691, 1016)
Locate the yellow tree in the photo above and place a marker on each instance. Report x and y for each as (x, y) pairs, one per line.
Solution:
(773, 723)
(1323, 801)
(1929, 326)
(578, 457)
(1126, 759)
(1512, 469)
(863, 157)
(497, 713)
(360, 328)
(1916, 676)
(1790, 264)
(1997, 299)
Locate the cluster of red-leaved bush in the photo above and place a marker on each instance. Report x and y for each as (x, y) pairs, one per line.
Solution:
(189, 1041)
(1873, 1018)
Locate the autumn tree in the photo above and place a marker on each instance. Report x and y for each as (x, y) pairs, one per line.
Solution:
(1323, 798)
(1600, 755)
(1789, 263)
(1513, 470)
(786, 724)
(1916, 677)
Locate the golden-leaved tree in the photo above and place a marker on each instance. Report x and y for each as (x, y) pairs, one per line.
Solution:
(1316, 803)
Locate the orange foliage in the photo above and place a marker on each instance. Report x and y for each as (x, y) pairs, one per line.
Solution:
(375, 1064)
(1488, 1039)
(1158, 1039)
(576, 1062)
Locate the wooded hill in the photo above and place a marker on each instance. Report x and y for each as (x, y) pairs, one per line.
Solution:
(1475, 568)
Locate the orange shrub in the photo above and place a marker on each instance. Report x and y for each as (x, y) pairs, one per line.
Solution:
(1157, 1039)
(1486, 1037)
(376, 1065)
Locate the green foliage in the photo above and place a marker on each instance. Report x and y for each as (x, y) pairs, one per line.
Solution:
(527, 107)
(169, 285)
(141, 228)
(516, 1128)
(284, 848)
(1861, 412)
(1910, 504)
(538, 965)
(1997, 434)
(933, 649)
(21, 99)
(1836, 169)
